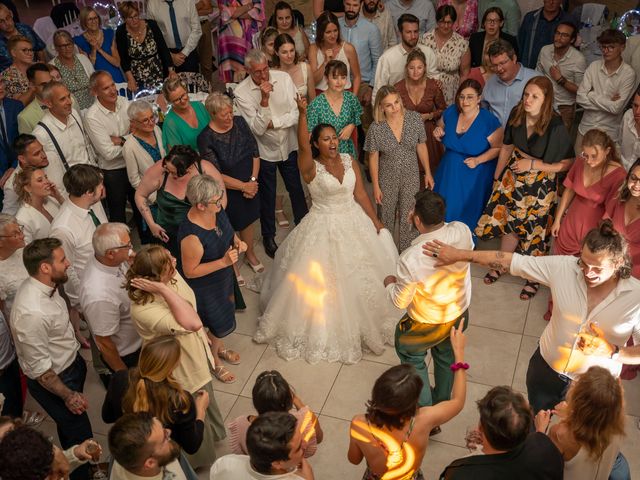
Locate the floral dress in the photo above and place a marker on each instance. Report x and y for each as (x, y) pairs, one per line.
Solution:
(77, 81)
(448, 61)
(15, 82)
(321, 112)
(146, 66)
(469, 23)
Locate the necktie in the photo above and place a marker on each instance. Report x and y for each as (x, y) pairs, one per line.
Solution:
(3, 129)
(174, 24)
(96, 220)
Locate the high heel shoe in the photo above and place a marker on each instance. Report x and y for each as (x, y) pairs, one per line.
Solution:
(259, 268)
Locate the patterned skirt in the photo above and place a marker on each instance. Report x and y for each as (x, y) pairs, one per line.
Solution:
(522, 204)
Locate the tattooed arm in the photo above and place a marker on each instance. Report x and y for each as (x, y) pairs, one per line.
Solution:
(447, 255)
(74, 401)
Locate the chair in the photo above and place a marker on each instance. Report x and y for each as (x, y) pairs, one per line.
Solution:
(64, 14)
(123, 90)
(195, 82)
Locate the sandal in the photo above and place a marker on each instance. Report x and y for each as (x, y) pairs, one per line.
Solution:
(492, 277)
(531, 292)
(241, 281)
(222, 374)
(259, 268)
(228, 356)
(282, 223)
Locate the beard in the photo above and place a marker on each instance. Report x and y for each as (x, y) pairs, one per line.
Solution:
(170, 456)
(370, 10)
(351, 15)
(60, 279)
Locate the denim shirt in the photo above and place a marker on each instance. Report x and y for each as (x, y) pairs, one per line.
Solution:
(366, 39)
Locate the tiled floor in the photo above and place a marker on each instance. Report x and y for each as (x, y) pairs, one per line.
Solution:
(502, 335)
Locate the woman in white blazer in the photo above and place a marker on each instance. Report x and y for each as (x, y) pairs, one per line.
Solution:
(39, 202)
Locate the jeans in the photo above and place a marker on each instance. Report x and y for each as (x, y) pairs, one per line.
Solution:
(620, 470)
(267, 185)
(11, 388)
(545, 387)
(130, 360)
(413, 340)
(72, 429)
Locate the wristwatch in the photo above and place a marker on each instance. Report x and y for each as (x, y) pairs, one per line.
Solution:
(253, 179)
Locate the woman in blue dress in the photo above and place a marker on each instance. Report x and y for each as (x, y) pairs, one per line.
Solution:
(208, 249)
(99, 44)
(472, 137)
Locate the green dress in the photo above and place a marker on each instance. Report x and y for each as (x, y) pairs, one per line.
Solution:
(320, 112)
(175, 131)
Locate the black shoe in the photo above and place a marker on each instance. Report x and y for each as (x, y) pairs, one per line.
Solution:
(270, 246)
(435, 431)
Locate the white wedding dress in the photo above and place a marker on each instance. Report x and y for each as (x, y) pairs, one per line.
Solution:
(324, 298)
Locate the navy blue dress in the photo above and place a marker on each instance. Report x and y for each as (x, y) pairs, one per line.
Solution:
(466, 190)
(214, 292)
(101, 62)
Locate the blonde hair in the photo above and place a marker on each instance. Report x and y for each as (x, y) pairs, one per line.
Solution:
(127, 8)
(171, 85)
(384, 92)
(595, 410)
(216, 101)
(150, 263)
(152, 387)
(23, 180)
(84, 13)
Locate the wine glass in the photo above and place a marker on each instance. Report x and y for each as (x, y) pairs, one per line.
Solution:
(94, 449)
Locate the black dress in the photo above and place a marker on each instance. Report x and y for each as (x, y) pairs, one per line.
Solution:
(185, 429)
(232, 153)
(215, 297)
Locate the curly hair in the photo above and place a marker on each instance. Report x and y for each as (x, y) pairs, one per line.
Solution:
(605, 238)
(25, 454)
(22, 180)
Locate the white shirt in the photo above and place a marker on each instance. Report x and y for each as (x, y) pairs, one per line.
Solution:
(35, 224)
(629, 140)
(11, 202)
(572, 66)
(106, 305)
(74, 227)
(101, 124)
(12, 274)
(618, 315)
(75, 147)
(238, 467)
(186, 18)
(595, 92)
(43, 335)
(7, 350)
(391, 65)
(275, 144)
(431, 294)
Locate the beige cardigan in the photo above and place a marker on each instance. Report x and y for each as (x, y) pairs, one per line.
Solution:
(138, 160)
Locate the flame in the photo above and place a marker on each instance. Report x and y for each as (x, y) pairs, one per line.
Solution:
(400, 459)
(314, 292)
(309, 421)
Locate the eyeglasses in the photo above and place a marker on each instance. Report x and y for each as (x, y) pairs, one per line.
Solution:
(26, 50)
(15, 234)
(563, 34)
(93, 19)
(445, 22)
(462, 98)
(147, 121)
(609, 47)
(181, 98)
(492, 21)
(64, 45)
(134, 17)
(128, 246)
(501, 64)
(217, 202)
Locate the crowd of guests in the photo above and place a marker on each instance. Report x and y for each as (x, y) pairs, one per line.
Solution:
(470, 124)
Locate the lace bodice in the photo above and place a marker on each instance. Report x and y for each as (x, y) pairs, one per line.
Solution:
(328, 194)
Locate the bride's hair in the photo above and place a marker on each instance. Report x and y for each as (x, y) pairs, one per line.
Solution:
(394, 398)
(315, 135)
(271, 393)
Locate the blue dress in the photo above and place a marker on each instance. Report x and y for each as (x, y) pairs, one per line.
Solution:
(214, 292)
(101, 62)
(465, 190)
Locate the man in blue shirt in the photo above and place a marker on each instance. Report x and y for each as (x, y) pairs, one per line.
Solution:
(537, 30)
(365, 38)
(8, 28)
(504, 89)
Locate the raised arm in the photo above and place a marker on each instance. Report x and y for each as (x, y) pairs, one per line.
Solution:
(305, 160)
(447, 255)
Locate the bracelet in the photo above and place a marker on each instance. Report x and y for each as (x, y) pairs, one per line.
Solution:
(459, 366)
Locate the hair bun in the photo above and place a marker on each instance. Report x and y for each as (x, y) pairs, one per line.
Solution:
(607, 230)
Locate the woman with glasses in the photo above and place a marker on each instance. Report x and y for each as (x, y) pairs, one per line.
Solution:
(452, 52)
(12, 269)
(520, 211)
(228, 143)
(75, 69)
(465, 21)
(144, 56)
(99, 44)
(209, 248)
(39, 202)
(15, 77)
(492, 23)
(186, 119)
(168, 180)
(472, 137)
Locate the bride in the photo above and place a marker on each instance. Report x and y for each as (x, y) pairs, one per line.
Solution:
(324, 297)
